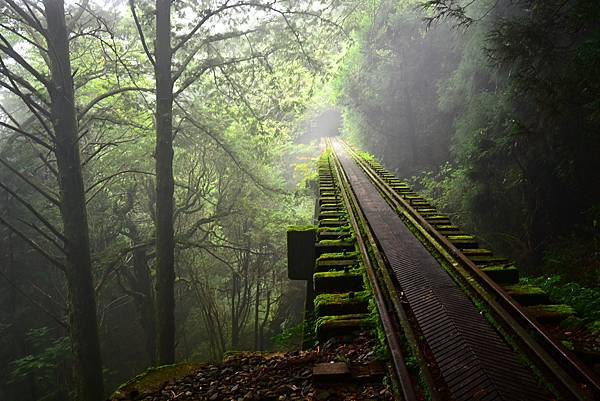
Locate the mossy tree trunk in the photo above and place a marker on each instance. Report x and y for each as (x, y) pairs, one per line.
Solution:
(165, 245)
(82, 312)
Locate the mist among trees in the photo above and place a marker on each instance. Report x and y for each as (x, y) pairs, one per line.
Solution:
(152, 155)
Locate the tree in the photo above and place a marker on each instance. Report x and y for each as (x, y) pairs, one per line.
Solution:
(169, 71)
(57, 117)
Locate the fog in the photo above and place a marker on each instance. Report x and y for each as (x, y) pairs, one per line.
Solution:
(152, 160)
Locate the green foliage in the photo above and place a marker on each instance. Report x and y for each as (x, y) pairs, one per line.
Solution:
(585, 300)
(45, 364)
(290, 339)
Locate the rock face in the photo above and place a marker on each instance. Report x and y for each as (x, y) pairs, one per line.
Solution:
(282, 376)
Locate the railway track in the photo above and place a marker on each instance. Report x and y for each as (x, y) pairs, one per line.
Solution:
(454, 333)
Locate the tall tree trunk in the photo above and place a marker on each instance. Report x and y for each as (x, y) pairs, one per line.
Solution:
(82, 311)
(145, 301)
(165, 252)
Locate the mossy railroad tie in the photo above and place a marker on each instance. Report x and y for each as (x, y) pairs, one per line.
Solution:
(332, 246)
(341, 325)
(347, 303)
(334, 282)
(499, 269)
(341, 304)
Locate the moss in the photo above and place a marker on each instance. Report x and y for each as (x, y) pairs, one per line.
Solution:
(572, 323)
(336, 228)
(339, 255)
(152, 379)
(338, 281)
(460, 237)
(332, 213)
(449, 227)
(501, 267)
(523, 289)
(552, 309)
(503, 273)
(477, 251)
(550, 313)
(437, 217)
(330, 326)
(336, 220)
(335, 242)
(360, 296)
(338, 304)
(337, 273)
(302, 228)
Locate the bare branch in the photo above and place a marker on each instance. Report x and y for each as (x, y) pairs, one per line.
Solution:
(118, 173)
(10, 51)
(206, 41)
(39, 189)
(34, 211)
(141, 33)
(25, 38)
(41, 306)
(32, 20)
(28, 135)
(77, 16)
(45, 235)
(108, 94)
(33, 244)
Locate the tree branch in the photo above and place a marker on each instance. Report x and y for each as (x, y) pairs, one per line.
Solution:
(208, 40)
(108, 94)
(28, 135)
(34, 211)
(39, 189)
(141, 33)
(226, 149)
(33, 244)
(33, 21)
(59, 321)
(45, 235)
(10, 51)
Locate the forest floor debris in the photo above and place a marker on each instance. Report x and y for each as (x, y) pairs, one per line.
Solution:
(276, 377)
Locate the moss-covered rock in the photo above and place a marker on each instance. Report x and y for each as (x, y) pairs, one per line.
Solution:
(152, 380)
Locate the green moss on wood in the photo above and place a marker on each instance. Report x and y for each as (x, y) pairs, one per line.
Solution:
(550, 313)
(338, 255)
(302, 228)
(343, 303)
(341, 242)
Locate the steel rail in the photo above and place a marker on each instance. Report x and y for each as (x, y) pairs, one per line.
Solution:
(553, 356)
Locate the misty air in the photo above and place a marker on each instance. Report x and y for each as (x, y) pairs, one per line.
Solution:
(299, 200)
